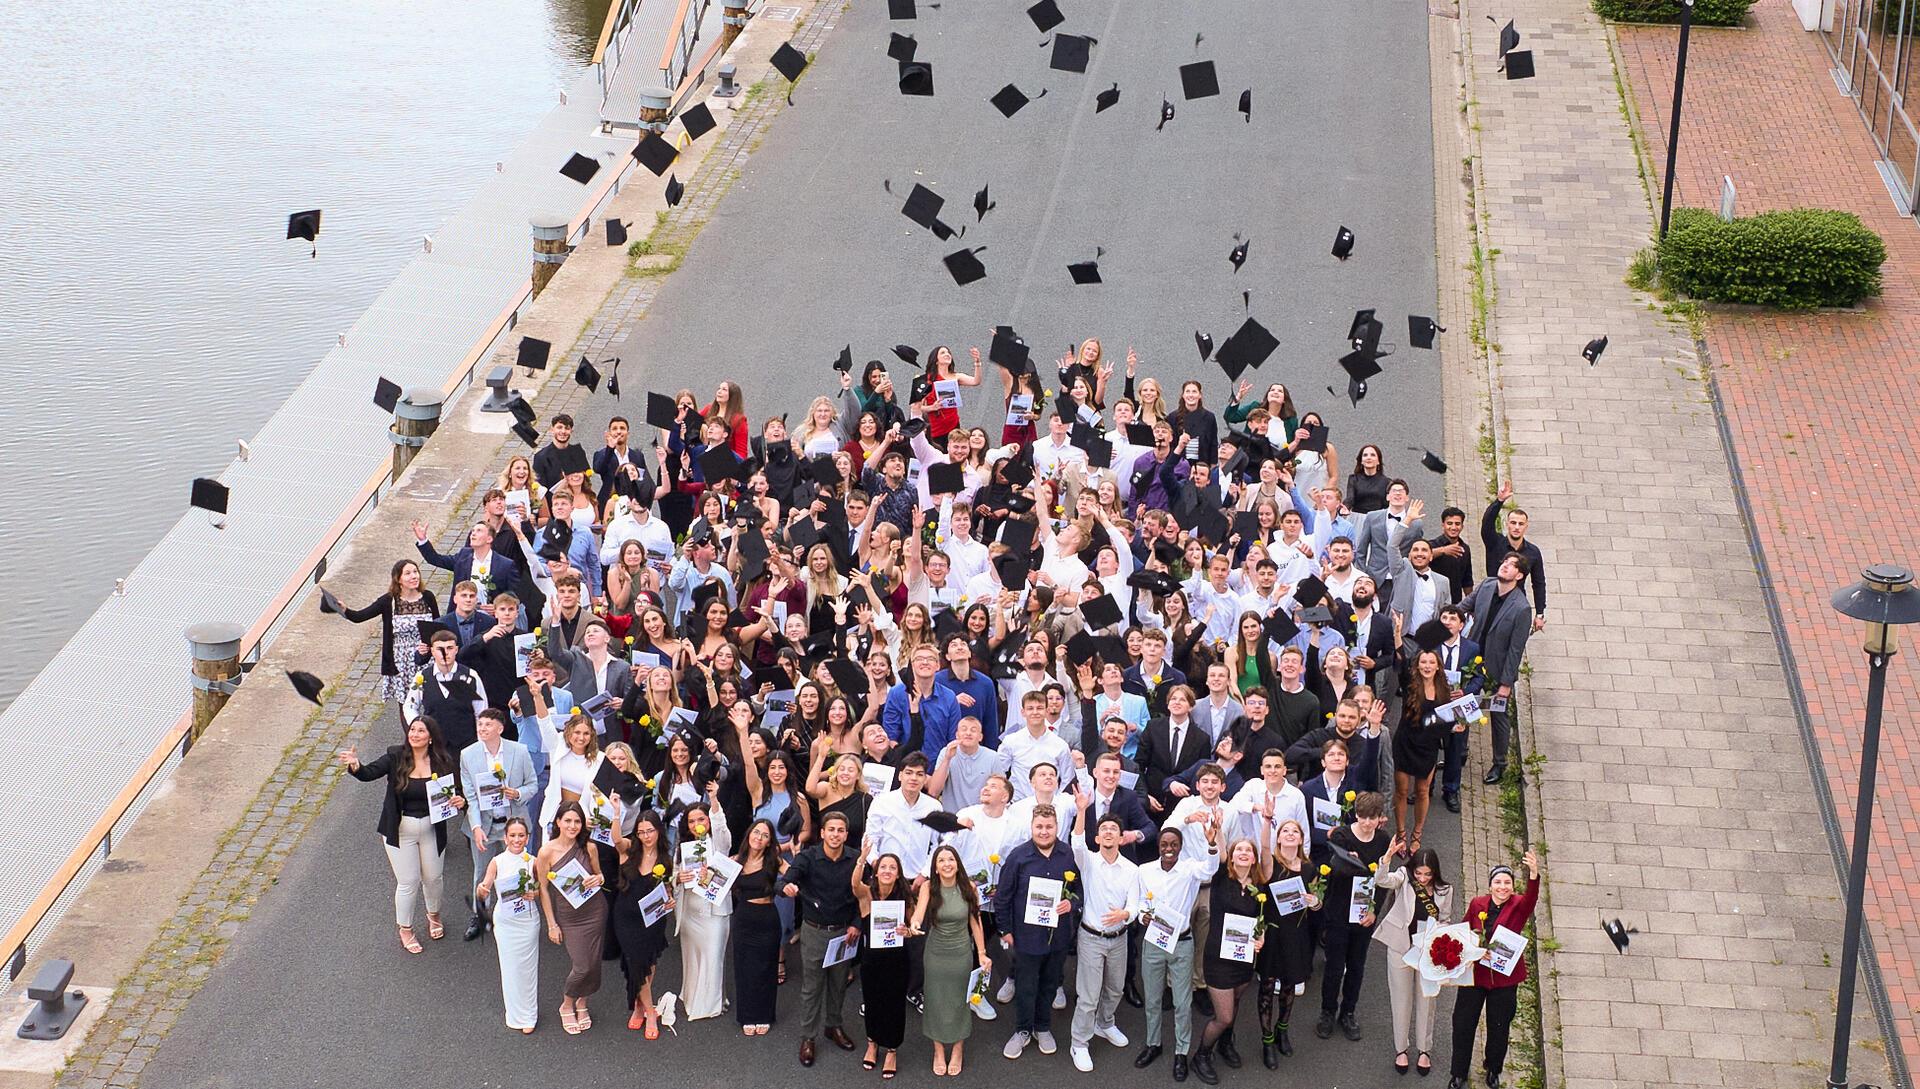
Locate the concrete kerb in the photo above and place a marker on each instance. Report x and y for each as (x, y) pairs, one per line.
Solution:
(199, 821)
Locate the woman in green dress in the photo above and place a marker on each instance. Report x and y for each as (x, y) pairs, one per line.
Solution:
(948, 912)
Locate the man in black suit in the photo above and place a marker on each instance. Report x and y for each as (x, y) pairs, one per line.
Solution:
(1155, 677)
(1371, 638)
(617, 467)
(1169, 745)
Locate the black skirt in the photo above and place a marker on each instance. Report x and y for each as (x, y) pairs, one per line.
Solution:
(756, 962)
(883, 984)
(640, 944)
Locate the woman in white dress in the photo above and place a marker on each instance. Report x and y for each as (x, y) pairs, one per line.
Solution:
(516, 926)
(703, 926)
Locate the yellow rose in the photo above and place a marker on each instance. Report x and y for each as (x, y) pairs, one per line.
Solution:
(1326, 871)
(1483, 916)
(553, 876)
(1373, 867)
(536, 631)
(646, 720)
(973, 1000)
(659, 871)
(1260, 896)
(1349, 795)
(629, 640)
(1355, 618)
(995, 859)
(1476, 659)
(1070, 875)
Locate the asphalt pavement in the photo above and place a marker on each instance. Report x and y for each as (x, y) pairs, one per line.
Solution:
(808, 253)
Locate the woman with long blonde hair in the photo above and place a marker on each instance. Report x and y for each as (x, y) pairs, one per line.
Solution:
(1239, 888)
(1151, 406)
(820, 431)
(518, 477)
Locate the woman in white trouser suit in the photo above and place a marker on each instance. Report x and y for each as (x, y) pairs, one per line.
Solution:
(703, 926)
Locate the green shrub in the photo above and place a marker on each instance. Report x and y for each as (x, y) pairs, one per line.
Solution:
(1792, 260)
(1705, 12)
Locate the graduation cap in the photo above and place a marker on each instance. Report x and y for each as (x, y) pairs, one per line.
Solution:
(1246, 104)
(1433, 463)
(587, 375)
(1046, 15)
(674, 191)
(900, 9)
(616, 233)
(1009, 100)
(655, 153)
(306, 684)
(1246, 524)
(573, 459)
(847, 675)
(1017, 536)
(521, 409)
(1106, 99)
(1086, 272)
(923, 207)
(304, 225)
(1198, 80)
(942, 821)
(982, 205)
(916, 79)
(661, 410)
(1509, 37)
(1342, 243)
(708, 769)
(330, 604)
(1019, 503)
(386, 394)
(430, 628)
(1360, 365)
(1211, 524)
(1008, 350)
(1317, 614)
(1154, 582)
(698, 121)
(902, 47)
(209, 495)
(1013, 569)
(1280, 627)
(580, 168)
(1316, 440)
(1019, 473)
(1082, 648)
(1166, 114)
(1140, 434)
(1100, 612)
(1249, 346)
(718, 463)
(1359, 329)
(533, 354)
(1421, 331)
(1431, 634)
(1099, 452)
(907, 354)
(844, 362)
(790, 821)
(1617, 932)
(790, 62)
(1071, 52)
(1520, 64)
(945, 478)
(1239, 255)
(613, 378)
(527, 434)
(1309, 591)
(1591, 353)
(824, 471)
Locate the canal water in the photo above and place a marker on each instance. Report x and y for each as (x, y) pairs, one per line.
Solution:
(151, 311)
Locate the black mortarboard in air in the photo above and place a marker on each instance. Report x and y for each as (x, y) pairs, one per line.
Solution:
(573, 459)
(1100, 612)
(1591, 353)
(901, 9)
(1360, 366)
(1198, 80)
(1008, 350)
(1140, 434)
(1246, 524)
(1017, 536)
(329, 603)
(1082, 648)
(791, 819)
(718, 463)
(1430, 635)
(1520, 64)
(655, 153)
(1246, 104)
(613, 378)
(1509, 37)
(698, 121)
(1342, 243)
(923, 206)
(1239, 255)
(965, 266)
(916, 79)
(907, 354)
(945, 478)
(209, 495)
(790, 62)
(1046, 15)
(527, 434)
(308, 685)
(752, 545)
(1357, 329)
(1009, 100)
(1433, 463)
(386, 394)
(533, 354)
(1013, 569)
(1249, 346)
(580, 168)
(588, 375)
(522, 409)
(1154, 582)
(1106, 99)
(982, 204)
(674, 191)
(1071, 52)
(1309, 591)
(942, 821)
(1421, 330)
(902, 47)
(661, 410)
(1166, 114)
(1280, 627)
(1085, 272)
(1019, 472)
(1618, 933)
(616, 233)
(823, 471)
(304, 225)
(1316, 614)
(844, 361)
(1204, 342)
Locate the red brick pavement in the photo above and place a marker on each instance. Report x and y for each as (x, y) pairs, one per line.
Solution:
(1821, 408)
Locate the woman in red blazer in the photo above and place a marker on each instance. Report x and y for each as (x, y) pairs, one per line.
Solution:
(1499, 906)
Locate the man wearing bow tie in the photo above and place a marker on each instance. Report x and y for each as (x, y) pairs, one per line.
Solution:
(1419, 592)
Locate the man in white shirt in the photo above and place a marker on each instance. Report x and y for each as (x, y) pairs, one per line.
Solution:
(1054, 453)
(1339, 574)
(929, 575)
(635, 522)
(1215, 603)
(1034, 746)
(1060, 557)
(1110, 886)
(1264, 803)
(1032, 677)
(1292, 553)
(893, 822)
(964, 767)
(966, 557)
(1267, 593)
(1169, 887)
(1043, 788)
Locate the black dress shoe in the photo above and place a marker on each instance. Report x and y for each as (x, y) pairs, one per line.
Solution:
(1269, 1054)
(1147, 1056)
(1283, 1041)
(1495, 774)
(1179, 1068)
(839, 1039)
(806, 1054)
(476, 926)
(1451, 801)
(1350, 1026)
(1224, 1047)
(1456, 1083)
(1324, 1029)
(1203, 1066)
(1493, 1079)
(1133, 996)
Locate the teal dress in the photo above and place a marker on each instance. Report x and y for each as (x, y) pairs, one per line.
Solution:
(950, 959)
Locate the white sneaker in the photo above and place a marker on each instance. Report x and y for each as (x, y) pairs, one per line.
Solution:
(1082, 1060)
(1016, 1044)
(1113, 1035)
(1047, 1044)
(1005, 993)
(1060, 999)
(984, 1010)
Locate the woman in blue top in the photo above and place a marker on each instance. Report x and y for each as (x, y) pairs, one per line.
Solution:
(773, 785)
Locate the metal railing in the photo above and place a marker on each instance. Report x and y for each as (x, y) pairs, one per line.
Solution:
(682, 38)
(611, 49)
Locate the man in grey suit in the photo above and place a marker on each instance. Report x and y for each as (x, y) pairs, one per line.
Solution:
(1419, 593)
(1502, 621)
(1217, 709)
(1385, 535)
(497, 777)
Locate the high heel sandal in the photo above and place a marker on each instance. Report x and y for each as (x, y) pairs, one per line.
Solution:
(872, 1058)
(887, 1071)
(434, 929)
(569, 1021)
(407, 941)
(581, 1015)
(653, 1026)
(638, 1018)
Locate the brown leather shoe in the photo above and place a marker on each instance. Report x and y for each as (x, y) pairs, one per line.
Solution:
(839, 1039)
(806, 1051)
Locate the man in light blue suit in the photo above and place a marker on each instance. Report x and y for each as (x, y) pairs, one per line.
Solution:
(496, 775)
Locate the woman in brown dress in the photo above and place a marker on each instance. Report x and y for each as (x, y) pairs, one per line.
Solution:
(581, 929)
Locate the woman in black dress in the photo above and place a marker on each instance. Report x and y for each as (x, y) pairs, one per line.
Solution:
(1367, 484)
(1239, 888)
(883, 972)
(1286, 958)
(756, 929)
(1417, 744)
(643, 868)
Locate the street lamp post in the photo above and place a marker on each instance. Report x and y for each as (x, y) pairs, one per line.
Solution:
(1885, 599)
(1673, 132)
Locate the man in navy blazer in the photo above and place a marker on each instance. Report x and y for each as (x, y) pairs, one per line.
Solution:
(1502, 621)
(478, 563)
(1111, 799)
(1154, 676)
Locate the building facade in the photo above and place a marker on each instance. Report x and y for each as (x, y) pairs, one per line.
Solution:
(1872, 44)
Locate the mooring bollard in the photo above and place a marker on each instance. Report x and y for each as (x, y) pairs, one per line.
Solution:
(216, 668)
(549, 248)
(415, 418)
